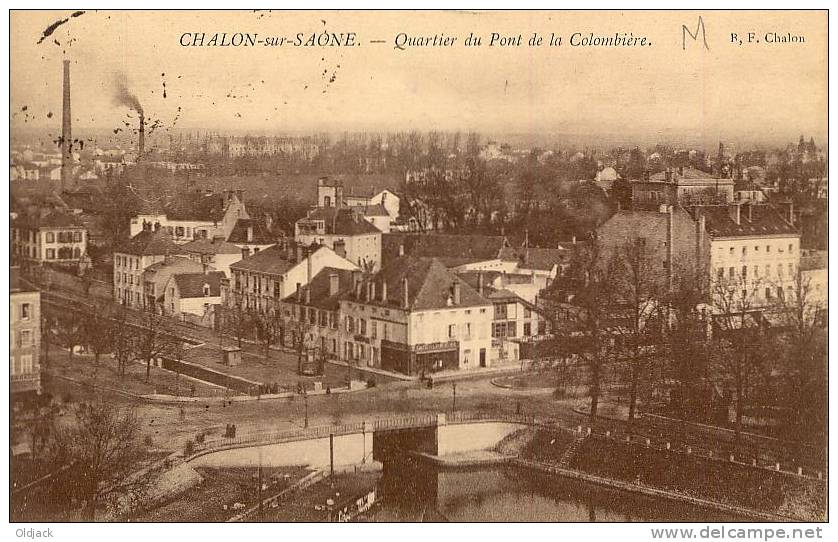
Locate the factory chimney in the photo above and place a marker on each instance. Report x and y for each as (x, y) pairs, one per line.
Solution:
(66, 133)
(141, 144)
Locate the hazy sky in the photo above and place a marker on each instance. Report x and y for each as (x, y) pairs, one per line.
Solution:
(729, 91)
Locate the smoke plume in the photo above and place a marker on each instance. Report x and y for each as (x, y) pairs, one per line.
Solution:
(123, 96)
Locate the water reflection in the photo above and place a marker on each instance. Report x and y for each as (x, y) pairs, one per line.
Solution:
(416, 491)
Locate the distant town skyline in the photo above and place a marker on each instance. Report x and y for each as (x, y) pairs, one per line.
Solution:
(649, 94)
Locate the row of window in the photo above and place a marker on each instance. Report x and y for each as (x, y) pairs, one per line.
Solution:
(63, 253)
(22, 364)
(127, 278)
(744, 249)
(731, 271)
(127, 262)
(64, 237)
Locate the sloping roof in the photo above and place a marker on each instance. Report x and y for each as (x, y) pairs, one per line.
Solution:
(543, 259)
(150, 243)
(273, 260)
(814, 259)
(429, 285)
(452, 250)
(197, 206)
(54, 219)
(685, 173)
(374, 210)
(344, 221)
(261, 234)
(192, 284)
(753, 220)
(19, 284)
(320, 289)
(211, 246)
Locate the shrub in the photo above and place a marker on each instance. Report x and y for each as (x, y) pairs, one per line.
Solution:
(199, 438)
(371, 382)
(188, 448)
(147, 440)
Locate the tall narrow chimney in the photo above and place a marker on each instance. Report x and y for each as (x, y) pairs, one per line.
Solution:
(141, 145)
(480, 283)
(406, 299)
(384, 291)
(66, 133)
(456, 292)
(333, 284)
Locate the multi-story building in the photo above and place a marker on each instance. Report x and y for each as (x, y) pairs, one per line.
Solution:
(25, 336)
(197, 215)
(156, 276)
(315, 309)
(55, 237)
(251, 236)
(684, 186)
(381, 207)
(416, 316)
(193, 294)
(261, 281)
(344, 230)
(752, 249)
(133, 257)
(671, 240)
(216, 253)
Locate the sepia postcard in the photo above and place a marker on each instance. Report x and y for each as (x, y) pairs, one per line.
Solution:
(419, 266)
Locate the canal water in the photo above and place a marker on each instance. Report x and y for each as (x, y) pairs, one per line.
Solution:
(426, 493)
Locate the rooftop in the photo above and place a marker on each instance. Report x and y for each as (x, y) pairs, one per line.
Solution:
(191, 285)
(452, 250)
(273, 260)
(261, 234)
(344, 221)
(211, 246)
(19, 284)
(543, 259)
(430, 285)
(320, 289)
(150, 243)
(754, 220)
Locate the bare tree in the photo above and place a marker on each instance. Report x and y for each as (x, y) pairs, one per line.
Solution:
(153, 341)
(738, 335)
(266, 325)
(236, 318)
(587, 319)
(122, 338)
(104, 449)
(95, 325)
(686, 341)
(801, 318)
(69, 331)
(637, 308)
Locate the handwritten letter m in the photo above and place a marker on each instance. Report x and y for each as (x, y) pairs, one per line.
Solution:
(699, 28)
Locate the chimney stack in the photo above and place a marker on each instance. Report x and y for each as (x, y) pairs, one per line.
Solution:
(66, 133)
(384, 291)
(406, 299)
(456, 292)
(250, 233)
(372, 290)
(299, 253)
(734, 211)
(309, 270)
(308, 294)
(141, 145)
(299, 293)
(289, 248)
(333, 284)
(480, 283)
(791, 212)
